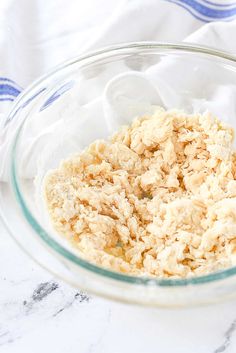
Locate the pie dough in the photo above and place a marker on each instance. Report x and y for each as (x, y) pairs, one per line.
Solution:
(157, 199)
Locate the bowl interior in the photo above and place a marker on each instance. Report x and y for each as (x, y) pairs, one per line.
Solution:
(90, 98)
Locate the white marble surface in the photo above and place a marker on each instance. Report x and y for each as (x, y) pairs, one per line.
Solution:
(39, 314)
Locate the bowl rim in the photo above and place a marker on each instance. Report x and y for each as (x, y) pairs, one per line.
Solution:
(41, 232)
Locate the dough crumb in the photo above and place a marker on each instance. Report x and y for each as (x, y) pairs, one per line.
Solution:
(156, 199)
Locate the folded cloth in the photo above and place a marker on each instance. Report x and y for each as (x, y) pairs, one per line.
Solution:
(53, 38)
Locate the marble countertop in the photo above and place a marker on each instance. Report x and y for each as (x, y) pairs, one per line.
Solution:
(39, 313)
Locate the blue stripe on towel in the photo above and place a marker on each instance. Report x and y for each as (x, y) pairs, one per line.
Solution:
(6, 89)
(9, 90)
(188, 9)
(8, 80)
(59, 92)
(205, 12)
(216, 4)
(5, 99)
(23, 105)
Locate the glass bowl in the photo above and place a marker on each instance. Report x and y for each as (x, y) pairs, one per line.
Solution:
(51, 121)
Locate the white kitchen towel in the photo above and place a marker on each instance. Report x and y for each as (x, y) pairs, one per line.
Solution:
(37, 35)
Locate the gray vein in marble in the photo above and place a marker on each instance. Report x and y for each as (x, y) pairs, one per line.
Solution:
(41, 292)
(80, 296)
(10, 340)
(4, 334)
(94, 346)
(7, 330)
(227, 338)
(6, 337)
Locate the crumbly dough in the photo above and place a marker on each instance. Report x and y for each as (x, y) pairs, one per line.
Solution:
(158, 198)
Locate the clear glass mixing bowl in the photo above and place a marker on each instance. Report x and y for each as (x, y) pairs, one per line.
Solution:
(194, 72)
